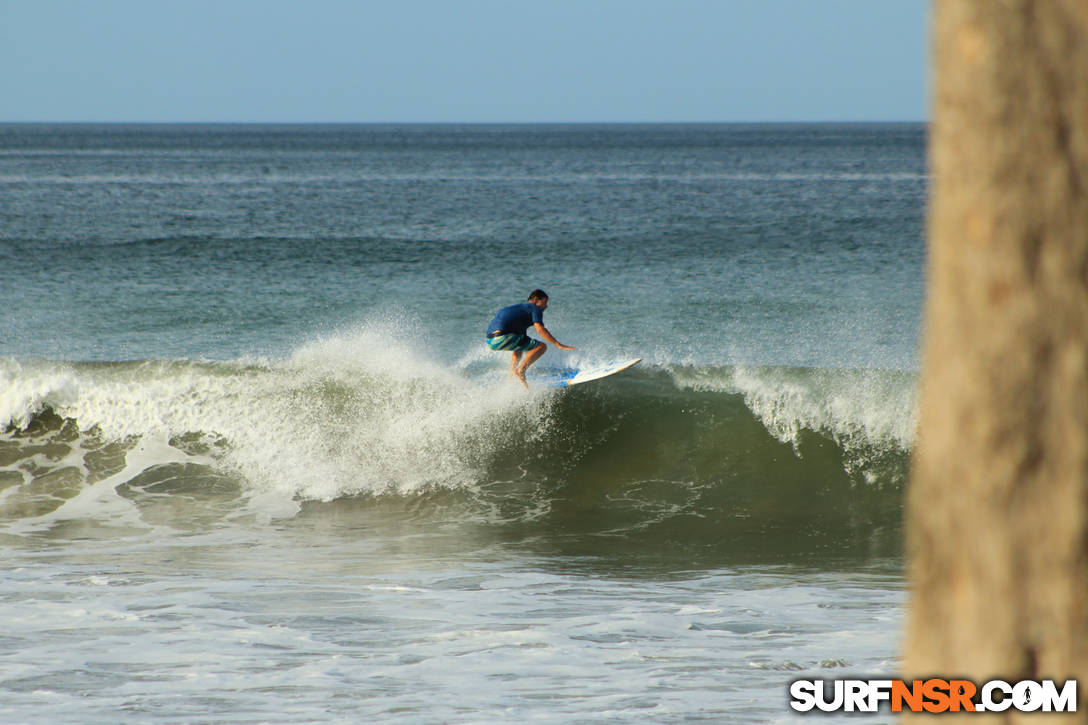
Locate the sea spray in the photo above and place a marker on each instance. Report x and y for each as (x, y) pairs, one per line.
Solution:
(361, 413)
(351, 414)
(869, 414)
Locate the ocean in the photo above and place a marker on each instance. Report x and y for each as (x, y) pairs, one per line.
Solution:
(258, 465)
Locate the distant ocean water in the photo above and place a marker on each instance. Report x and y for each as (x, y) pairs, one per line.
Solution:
(258, 465)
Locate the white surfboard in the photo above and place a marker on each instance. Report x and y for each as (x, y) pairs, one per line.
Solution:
(575, 377)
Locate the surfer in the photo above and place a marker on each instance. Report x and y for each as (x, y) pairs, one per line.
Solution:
(507, 333)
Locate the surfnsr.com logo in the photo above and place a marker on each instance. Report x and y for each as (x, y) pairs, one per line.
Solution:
(933, 695)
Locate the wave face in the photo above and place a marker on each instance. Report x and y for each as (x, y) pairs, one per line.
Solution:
(694, 454)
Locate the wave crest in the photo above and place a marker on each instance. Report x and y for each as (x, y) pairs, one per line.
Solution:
(362, 414)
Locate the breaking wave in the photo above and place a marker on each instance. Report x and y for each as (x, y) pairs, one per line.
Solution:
(676, 448)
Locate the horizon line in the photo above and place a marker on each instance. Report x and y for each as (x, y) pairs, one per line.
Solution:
(457, 123)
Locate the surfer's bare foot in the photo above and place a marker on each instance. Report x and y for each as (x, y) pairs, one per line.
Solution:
(520, 375)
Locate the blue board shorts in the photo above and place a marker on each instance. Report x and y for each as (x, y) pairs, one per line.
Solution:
(512, 342)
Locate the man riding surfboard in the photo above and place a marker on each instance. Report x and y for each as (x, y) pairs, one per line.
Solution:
(507, 333)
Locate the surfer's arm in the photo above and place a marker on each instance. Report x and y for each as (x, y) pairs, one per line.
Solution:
(543, 332)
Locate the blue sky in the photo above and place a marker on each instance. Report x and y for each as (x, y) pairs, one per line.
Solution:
(463, 60)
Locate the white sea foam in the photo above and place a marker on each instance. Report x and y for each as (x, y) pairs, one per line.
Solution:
(24, 391)
(867, 413)
(360, 411)
(873, 406)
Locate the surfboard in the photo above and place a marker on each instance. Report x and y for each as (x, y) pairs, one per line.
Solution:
(576, 377)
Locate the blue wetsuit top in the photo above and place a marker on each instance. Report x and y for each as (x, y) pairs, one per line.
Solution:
(516, 319)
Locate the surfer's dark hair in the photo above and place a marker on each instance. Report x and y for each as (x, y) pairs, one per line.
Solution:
(538, 294)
